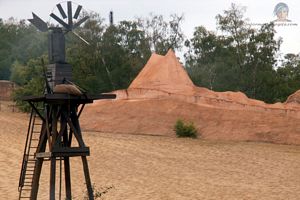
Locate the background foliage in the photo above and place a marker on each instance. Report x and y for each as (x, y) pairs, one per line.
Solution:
(238, 58)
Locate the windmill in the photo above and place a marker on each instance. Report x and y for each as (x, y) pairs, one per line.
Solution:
(54, 132)
(58, 67)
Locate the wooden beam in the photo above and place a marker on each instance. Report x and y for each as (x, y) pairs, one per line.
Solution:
(76, 134)
(67, 178)
(36, 110)
(52, 178)
(67, 143)
(87, 178)
(81, 109)
(63, 126)
(38, 166)
(48, 115)
(70, 151)
(54, 125)
(43, 155)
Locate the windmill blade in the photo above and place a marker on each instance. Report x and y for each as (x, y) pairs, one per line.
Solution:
(77, 24)
(70, 20)
(62, 12)
(77, 12)
(81, 38)
(39, 23)
(64, 24)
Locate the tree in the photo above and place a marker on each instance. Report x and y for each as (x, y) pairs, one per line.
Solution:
(114, 57)
(19, 41)
(288, 77)
(260, 63)
(239, 59)
(163, 35)
(30, 79)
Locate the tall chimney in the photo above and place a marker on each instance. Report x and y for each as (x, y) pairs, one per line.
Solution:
(111, 18)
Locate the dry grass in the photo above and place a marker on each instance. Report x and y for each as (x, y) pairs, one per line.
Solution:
(162, 168)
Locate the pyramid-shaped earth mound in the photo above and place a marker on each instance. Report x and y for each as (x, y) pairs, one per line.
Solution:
(163, 92)
(164, 73)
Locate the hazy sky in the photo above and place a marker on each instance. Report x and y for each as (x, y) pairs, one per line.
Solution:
(196, 12)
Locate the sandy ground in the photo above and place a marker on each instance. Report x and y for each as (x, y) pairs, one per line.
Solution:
(162, 168)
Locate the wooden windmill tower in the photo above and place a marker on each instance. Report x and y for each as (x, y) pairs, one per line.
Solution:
(54, 133)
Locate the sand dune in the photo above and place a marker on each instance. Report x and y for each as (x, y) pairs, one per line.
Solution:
(157, 167)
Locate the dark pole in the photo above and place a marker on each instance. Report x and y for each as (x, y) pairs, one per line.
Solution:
(87, 178)
(74, 118)
(67, 143)
(52, 178)
(111, 18)
(39, 164)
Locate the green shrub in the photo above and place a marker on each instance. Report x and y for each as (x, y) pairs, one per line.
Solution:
(34, 87)
(183, 129)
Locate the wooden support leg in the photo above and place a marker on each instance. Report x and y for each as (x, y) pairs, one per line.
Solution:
(67, 143)
(52, 178)
(87, 178)
(67, 178)
(39, 164)
(36, 178)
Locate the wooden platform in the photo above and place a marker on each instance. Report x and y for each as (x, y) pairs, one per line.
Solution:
(62, 98)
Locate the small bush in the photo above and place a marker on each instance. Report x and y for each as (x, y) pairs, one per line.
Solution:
(185, 130)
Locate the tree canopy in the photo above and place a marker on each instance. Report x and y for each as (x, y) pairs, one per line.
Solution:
(241, 58)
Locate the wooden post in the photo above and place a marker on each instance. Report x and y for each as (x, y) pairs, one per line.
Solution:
(67, 143)
(36, 178)
(53, 159)
(52, 178)
(87, 178)
(39, 164)
(67, 178)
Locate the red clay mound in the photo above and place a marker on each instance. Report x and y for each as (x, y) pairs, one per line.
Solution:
(158, 117)
(164, 73)
(294, 98)
(163, 93)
